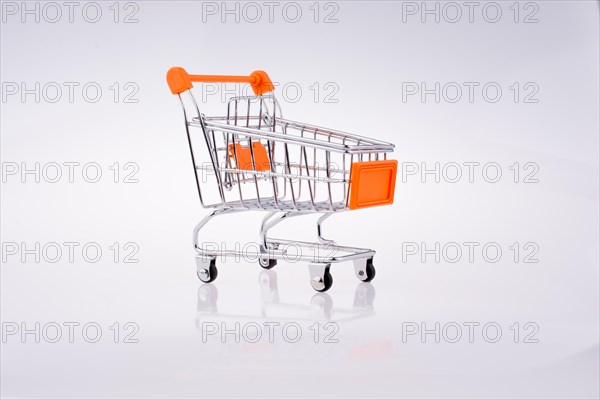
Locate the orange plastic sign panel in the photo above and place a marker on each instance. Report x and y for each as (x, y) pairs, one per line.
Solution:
(373, 183)
(244, 157)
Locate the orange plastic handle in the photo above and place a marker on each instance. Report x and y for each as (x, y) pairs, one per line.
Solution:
(179, 80)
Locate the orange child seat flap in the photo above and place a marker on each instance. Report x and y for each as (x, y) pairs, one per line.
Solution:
(372, 183)
(244, 157)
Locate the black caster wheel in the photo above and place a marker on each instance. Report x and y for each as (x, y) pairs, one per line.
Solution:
(322, 284)
(267, 263)
(370, 270)
(208, 271)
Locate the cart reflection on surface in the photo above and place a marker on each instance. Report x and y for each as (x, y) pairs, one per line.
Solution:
(320, 306)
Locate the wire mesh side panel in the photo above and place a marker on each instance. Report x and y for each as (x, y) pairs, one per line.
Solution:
(253, 158)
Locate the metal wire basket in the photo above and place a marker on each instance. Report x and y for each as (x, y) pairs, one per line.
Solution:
(252, 158)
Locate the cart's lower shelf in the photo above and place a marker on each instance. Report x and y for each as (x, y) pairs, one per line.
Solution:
(269, 203)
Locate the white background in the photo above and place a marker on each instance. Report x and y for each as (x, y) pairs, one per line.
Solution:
(370, 55)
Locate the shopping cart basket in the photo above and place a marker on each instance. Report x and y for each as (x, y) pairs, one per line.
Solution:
(254, 159)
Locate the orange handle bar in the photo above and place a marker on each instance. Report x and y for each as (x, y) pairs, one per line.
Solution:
(179, 80)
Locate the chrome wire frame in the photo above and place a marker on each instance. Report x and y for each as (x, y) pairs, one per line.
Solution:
(309, 170)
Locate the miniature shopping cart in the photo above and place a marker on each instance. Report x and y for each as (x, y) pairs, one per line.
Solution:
(254, 159)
